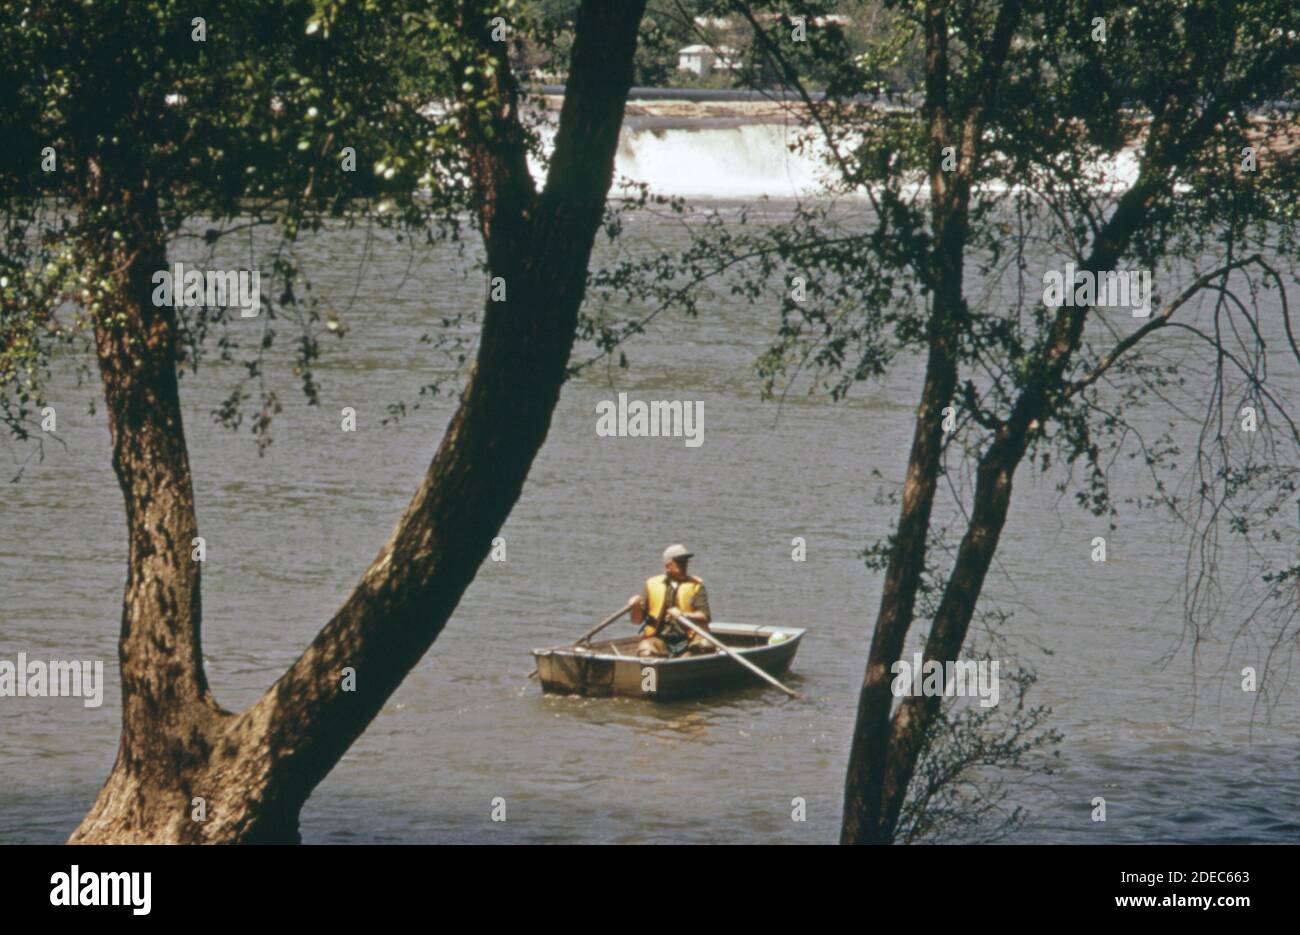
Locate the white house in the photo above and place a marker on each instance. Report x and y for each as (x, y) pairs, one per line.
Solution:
(704, 60)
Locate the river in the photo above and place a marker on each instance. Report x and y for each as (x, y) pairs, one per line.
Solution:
(288, 534)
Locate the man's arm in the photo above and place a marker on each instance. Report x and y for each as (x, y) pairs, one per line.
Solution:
(699, 612)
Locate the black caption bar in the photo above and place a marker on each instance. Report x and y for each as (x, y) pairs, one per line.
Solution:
(137, 885)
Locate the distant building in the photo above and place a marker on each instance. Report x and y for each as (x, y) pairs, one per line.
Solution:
(704, 60)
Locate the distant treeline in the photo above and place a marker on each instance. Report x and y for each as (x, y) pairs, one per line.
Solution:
(670, 26)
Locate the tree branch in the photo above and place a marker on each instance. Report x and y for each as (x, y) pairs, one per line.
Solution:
(1156, 322)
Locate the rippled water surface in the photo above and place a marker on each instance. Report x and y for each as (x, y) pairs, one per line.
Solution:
(289, 533)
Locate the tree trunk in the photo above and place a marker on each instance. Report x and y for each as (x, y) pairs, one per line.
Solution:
(952, 620)
(886, 749)
(255, 770)
(949, 194)
(169, 718)
(866, 796)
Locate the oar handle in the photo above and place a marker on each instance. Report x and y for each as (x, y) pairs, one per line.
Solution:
(736, 656)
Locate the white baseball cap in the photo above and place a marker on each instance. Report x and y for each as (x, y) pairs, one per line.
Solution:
(674, 552)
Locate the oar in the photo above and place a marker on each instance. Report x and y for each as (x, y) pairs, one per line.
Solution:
(736, 656)
(604, 623)
(586, 637)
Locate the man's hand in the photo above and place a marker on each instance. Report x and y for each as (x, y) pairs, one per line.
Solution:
(696, 618)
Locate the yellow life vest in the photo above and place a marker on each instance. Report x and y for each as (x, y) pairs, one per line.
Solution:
(656, 590)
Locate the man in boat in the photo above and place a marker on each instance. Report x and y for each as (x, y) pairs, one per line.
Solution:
(667, 597)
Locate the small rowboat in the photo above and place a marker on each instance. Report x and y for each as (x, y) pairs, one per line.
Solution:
(612, 667)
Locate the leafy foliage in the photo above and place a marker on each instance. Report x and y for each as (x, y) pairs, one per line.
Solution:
(240, 118)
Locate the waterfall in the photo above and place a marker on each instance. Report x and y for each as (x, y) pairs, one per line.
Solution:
(740, 161)
(709, 158)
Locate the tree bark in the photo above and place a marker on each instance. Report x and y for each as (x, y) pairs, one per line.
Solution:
(255, 770)
(169, 717)
(864, 795)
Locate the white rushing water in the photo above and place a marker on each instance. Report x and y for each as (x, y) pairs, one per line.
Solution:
(747, 161)
(766, 160)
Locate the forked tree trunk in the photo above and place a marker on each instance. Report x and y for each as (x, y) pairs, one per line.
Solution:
(991, 503)
(888, 742)
(255, 770)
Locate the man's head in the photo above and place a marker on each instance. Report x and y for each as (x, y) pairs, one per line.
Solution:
(675, 559)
